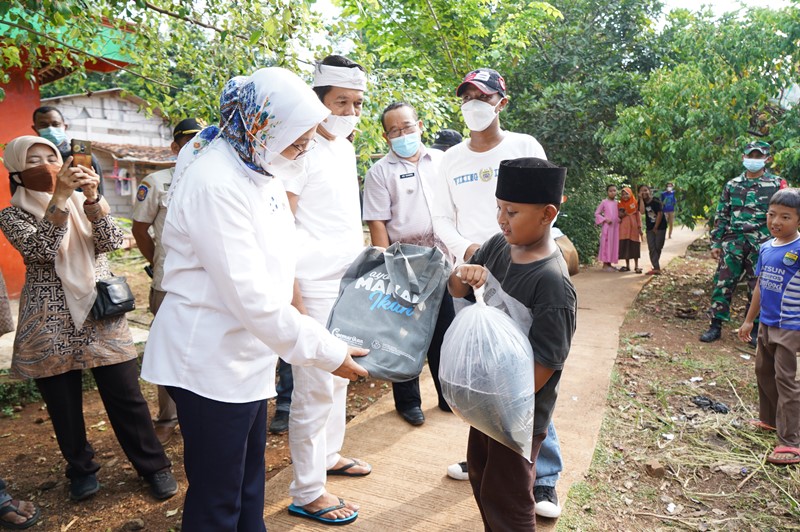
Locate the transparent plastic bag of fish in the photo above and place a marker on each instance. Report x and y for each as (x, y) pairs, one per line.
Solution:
(486, 373)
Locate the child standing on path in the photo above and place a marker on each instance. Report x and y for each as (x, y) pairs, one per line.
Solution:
(656, 227)
(527, 262)
(668, 201)
(630, 231)
(607, 215)
(775, 296)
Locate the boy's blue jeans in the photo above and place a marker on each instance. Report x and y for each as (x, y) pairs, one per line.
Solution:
(549, 463)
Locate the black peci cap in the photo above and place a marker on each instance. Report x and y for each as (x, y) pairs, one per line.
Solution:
(530, 180)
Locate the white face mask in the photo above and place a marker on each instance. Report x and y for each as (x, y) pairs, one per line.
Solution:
(340, 126)
(478, 115)
(284, 168)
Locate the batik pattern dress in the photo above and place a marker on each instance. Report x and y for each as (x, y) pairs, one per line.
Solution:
(47, 342)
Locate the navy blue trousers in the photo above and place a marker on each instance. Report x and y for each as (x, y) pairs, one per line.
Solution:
(223, 456)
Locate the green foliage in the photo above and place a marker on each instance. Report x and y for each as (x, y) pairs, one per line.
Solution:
(180, 54)
(576, 75)
(712, 96)
(419, 50)
(13, 392)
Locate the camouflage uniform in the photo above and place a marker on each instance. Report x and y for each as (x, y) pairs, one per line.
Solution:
(740, 227)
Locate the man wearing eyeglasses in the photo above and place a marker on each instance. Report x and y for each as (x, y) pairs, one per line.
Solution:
(397, 208)
(324, 198)
(465, 216)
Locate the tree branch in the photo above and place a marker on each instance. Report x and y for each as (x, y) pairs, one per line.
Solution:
(444, 40)
(192, 21)
(408, 35)
(87, 54)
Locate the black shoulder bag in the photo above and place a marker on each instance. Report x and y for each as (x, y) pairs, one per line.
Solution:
(114, 297)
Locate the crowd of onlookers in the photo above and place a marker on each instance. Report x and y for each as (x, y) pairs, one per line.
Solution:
(621, 226)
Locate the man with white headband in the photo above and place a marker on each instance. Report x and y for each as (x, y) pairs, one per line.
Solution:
(325, 200)
(465, 216)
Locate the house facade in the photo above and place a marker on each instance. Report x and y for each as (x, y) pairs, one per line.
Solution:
(129, 139)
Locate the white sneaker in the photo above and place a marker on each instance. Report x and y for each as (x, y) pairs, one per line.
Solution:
(546, 502)
(458, 471)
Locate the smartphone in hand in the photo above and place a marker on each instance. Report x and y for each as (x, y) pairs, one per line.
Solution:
(81, 152)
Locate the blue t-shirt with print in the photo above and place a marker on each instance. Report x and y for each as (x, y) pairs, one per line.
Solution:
(778, 278)
(668, 200)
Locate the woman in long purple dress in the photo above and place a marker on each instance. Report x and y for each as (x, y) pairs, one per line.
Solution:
(607, 216)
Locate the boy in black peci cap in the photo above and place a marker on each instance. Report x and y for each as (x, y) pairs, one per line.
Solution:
(529, 266)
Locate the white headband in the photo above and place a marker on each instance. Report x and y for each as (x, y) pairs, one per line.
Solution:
(344, 77)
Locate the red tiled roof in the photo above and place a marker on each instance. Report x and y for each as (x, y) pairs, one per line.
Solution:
(137, 153)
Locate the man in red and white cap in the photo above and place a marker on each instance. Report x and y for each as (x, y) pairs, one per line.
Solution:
(465, 216)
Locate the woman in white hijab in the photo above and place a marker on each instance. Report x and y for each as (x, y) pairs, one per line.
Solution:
(229, 273)
(62, 235)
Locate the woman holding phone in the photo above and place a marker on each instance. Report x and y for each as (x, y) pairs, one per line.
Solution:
(63, 236)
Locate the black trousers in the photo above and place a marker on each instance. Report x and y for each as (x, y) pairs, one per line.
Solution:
(223, 454)
(406, 394)
(127, 411)
(655, 243)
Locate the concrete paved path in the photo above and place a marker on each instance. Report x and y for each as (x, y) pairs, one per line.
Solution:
(409, 490)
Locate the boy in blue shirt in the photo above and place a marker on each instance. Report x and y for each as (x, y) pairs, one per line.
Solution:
(777, 297)
(529, 266)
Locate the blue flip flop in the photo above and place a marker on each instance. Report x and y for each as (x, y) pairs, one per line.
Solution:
(299, 511)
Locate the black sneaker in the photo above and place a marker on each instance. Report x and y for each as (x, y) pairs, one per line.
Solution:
(546, 502)
(162, 484)
(83, 487)
(279, 423)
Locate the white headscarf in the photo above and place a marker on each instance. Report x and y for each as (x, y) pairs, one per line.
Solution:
(75, 259)
(261, 114)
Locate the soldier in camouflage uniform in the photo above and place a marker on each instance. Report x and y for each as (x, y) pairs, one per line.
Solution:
(740, 227)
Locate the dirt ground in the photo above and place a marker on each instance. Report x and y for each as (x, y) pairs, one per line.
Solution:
(663, 462)
(32, 466)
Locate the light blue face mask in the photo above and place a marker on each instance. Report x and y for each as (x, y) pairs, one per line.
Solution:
(753, 165)
(56, 135)
(407, 145)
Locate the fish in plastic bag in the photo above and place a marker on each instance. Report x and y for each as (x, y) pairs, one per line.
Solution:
(486, 373)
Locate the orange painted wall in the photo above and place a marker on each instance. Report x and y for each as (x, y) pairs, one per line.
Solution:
(22, 98)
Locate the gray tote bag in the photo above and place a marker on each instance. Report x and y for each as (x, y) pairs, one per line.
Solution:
(388, 303)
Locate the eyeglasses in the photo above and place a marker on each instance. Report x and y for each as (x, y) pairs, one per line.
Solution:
(395, 133)
(303, 149)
